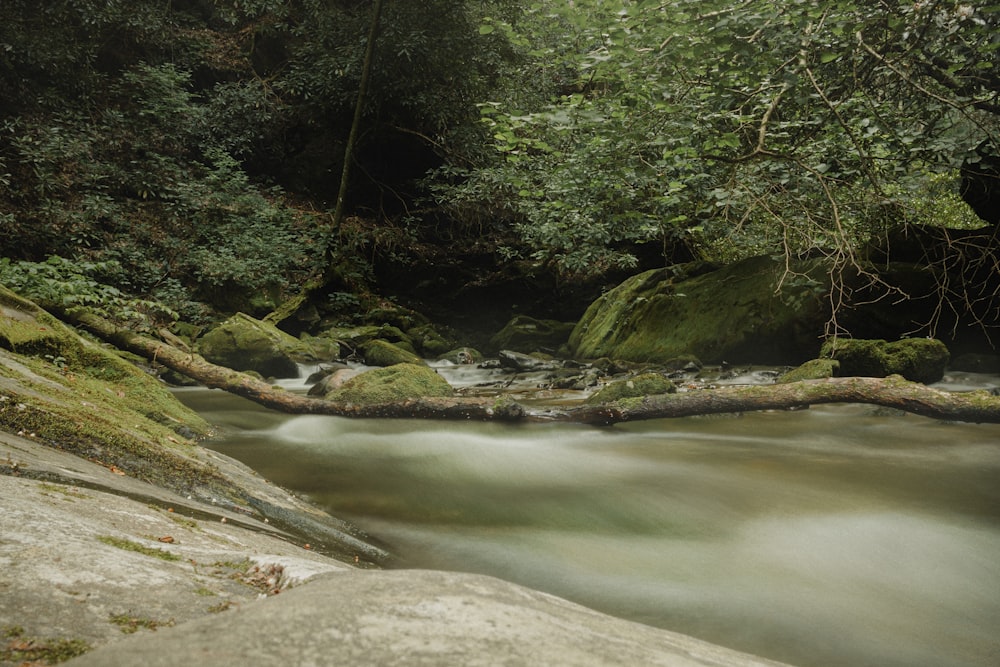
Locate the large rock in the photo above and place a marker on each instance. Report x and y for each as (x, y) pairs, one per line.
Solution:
(414, 617)
(730, 314)
(247, 344)
(391, 384)
(917, 359)
(379, 352)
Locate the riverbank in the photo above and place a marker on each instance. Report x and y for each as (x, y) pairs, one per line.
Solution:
(122, 572)
(122, 542)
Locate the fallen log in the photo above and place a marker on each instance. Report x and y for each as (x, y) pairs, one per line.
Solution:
(891, 392)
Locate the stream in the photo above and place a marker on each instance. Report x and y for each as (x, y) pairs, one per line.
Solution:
(830, 537)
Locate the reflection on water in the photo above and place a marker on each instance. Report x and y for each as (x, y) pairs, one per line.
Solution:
(825, 537)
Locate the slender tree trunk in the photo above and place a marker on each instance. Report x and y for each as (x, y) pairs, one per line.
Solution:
(288, 308)
(891, 392)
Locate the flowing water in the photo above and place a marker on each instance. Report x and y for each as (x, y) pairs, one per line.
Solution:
(835, 536)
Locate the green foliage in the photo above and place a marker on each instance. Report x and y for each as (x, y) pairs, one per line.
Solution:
(734, 128)
(68, 285)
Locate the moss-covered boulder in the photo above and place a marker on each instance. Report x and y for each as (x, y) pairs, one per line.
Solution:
(378, 352)
(429, 341)
(527, 334)
(247, 344)
(814, 369)
(645, 384)
(917, 359)
(731, 314)
(66, 392)
(392, 384)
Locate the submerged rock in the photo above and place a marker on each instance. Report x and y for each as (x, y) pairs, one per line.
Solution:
(917, 359)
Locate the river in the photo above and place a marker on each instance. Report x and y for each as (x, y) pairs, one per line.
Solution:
(830, 537)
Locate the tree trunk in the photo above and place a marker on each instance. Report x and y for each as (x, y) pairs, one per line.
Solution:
(291, 306)
(892, 392)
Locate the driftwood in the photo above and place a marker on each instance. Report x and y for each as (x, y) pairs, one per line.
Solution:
(892, 392)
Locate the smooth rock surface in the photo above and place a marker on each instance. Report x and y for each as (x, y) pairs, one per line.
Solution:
(413, 618)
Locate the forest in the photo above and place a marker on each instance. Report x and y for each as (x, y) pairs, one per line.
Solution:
(167, 164)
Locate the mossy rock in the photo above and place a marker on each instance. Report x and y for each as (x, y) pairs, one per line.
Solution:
(378, 352)
(243, 343)
(731, 314)
(462, 355)
(814, 369)
(527, 334)
(392, 384)
(429, 340)
(356, 337)
(916, 359)
(645, 384)
(70, 393)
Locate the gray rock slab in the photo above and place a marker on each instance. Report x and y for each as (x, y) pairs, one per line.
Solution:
(413, 618)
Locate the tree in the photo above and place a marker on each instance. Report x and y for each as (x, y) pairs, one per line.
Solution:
(742, 128)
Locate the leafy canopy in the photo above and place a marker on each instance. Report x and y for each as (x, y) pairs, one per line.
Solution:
(733, 127)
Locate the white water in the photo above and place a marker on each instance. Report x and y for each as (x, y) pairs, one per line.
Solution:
(827, 537)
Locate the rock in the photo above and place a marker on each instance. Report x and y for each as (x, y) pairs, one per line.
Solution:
(645, 384)
(527, 334)
(325, 371)
(383, 353)
(814, 369)
(414, 617)
(917, 359)
(462, 356)
(525, 362)
(394, 383)
(429, 341)
(732, 313)
(334, 380)
(246, 344)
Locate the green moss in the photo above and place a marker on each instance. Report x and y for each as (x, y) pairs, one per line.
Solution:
(646, 384)
(814, 369)
(731, 314)
(22, 650)
(527, 334)
(129, 545)
(131, 624)
(383, 353)
(391, 384)
(916, 359)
